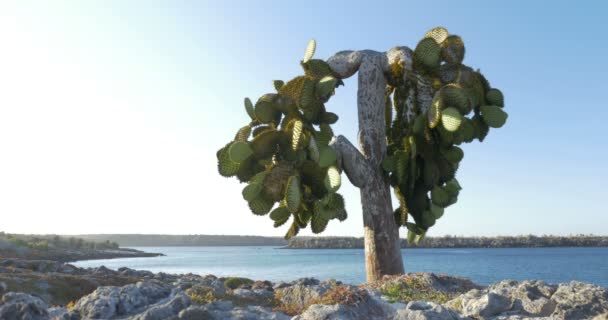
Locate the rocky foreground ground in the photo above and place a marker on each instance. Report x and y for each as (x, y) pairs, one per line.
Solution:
(53, 290)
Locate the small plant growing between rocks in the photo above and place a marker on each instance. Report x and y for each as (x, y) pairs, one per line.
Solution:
(201, 295)
(412, 289)
(235, 282)
(70, 305)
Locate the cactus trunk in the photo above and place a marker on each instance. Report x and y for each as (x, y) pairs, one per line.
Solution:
(382, 244)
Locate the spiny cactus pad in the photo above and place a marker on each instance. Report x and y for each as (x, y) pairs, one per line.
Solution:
(451, 119)
(494, 116)
(283, 153)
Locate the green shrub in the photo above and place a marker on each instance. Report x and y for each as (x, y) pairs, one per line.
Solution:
(235, 282)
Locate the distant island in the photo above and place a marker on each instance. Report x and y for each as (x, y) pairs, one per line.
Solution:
(62, 248)
(164, 240)
(157, 240)
(527, 241)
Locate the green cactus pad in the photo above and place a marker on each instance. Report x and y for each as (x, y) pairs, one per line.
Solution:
(259, 177)
(293, 231)
(240, 151)
(318, 223)
(278, 223)
(278, 84)
(401, 164)
(411, 236)
(451, 119)
(249, 108)
(329, 117)
(439, 196)
(481, 128)
(226, 167)
(307, 96)
(317, 69)
(243, 133)
(494, 97)
(260, 206)
(293, 88)
(453, 154)
(428, 219)
(326, 86)
(439, 34)
(252, 191)
(296, 136)
(293, 194)
(310, 50)
(324, 135)
(341, 215)
(436, 211)
(327, 157)
(280, 214)
(313, 149)
(333, 179)
(335, 201)
(467, 130)
(453, 188)
(428, 54)
(494, 116)
(265, 111)
(455, 96)
(452, 49)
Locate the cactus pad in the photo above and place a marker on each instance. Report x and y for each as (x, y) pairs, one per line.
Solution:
(310, 50)
(452, 49)
(428, 54)
(439, 34)
(494, 116)
(332, 179)
(451, 119)
(293, 194)
(494, 97)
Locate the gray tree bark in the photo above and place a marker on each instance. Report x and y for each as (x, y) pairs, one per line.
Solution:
(362, 167)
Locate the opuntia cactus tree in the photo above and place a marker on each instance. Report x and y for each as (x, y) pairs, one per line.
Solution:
(415, 108)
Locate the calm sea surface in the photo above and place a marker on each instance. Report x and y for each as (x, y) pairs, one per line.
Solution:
(483, 266)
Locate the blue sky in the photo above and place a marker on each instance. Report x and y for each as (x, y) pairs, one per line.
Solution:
(111, 111)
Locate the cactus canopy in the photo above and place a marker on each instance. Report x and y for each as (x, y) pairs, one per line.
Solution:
(290, 171)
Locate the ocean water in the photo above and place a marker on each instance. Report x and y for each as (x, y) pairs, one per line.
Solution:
(483, 266)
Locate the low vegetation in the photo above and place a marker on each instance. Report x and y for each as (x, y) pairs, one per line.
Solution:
(235, 282)
(411, 289)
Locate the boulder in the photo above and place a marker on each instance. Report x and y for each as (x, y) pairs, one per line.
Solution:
(368, 308)
(301, 293)
(110, 301)
(422, 310)
(225, 310)
(17, 305)
(481, 303)
(529, 297)
(578, 300)
(165, 310)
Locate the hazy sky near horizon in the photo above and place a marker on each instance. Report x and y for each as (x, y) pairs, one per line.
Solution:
(111, 111)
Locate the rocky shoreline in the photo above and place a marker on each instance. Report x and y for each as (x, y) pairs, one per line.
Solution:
(39, 289)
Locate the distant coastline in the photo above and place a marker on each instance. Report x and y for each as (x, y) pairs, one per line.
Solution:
(157, 240)
(62, 248)
(528, 241)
